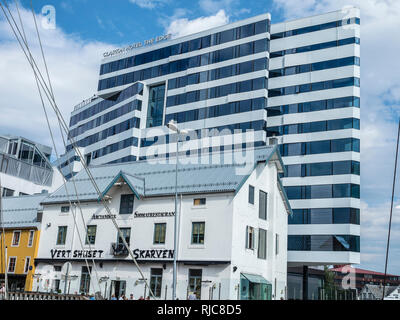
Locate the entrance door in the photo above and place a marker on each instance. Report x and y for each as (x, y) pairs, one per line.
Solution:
(118, 288)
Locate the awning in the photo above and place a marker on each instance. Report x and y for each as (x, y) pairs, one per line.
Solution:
(255, 278)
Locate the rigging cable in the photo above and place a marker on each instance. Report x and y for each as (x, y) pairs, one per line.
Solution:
(391, 213)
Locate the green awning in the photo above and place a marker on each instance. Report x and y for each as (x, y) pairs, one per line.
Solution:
(255, 278)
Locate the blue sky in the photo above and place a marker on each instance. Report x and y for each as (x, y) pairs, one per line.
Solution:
(87, 28)
(124, 21)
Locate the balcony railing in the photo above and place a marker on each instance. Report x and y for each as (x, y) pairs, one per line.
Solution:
(119, 250)
(85, 102)
(26, 171)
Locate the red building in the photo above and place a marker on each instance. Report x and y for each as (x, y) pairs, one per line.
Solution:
(364, 277)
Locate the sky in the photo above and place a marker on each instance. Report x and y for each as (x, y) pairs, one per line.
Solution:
(87, 28)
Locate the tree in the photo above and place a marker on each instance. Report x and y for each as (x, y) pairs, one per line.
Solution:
(329, 283)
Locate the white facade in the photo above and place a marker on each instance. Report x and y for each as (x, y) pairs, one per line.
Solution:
(222, 258)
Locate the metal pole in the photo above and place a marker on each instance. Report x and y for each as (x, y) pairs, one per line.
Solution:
(66, 280)
(175, 219)
(391, 212)
(4, 246)
(5, 272)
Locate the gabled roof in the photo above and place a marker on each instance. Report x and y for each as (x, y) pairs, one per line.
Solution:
(151, 178)
(134, 183)
(21, 212)
(377, 290)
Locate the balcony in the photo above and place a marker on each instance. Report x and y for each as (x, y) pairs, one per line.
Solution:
(119, 250)
(17, 168)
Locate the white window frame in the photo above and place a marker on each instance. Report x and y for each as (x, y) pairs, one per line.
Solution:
(19, 239)
(9, 263)
(26, 260)
(30, 244)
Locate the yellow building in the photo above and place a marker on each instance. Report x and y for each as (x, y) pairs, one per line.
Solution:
(21, 222)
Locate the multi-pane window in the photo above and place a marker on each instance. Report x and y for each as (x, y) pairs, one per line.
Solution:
(263, 205)
(159, 233)
(126, 205)
(27, 264)
(85, 280)
(198, 232)
(126, 232)
(7, 192)
(262, 244)
(65, 209)
(62, 235)
(195, 277)
(91, 235)
(251, 194)
(199, 202)
(156, 281)
(155, 111)
(31, 237)
(250, 237)
(16, 238)
(12, 262)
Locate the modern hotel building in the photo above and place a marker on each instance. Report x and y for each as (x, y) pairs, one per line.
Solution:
(294, 83)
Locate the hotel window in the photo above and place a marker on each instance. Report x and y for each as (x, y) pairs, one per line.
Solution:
(156, 281)
(277, 244)
(251, 194)
(27, 264)
(91, 235)
(262, 244)
(30, 239)
(155, 111)
(126, 205)
(16, 238)
(12, 262)
(250, 237)
(159, 233)
(195, 277)
(198, 232)
(61, 235)
(7, 192)
(199, 202)
(65, 209)
(263, 204)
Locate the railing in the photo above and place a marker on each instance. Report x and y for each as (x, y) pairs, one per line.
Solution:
(85, 102)
(119, 250)
(26, 171)
(41, 296)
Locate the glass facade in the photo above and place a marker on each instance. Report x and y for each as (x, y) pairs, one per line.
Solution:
(155, 107)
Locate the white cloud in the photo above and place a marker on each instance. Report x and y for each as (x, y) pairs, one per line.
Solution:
(149, 4)
(73, 66)
(183, 26)
(212, 6)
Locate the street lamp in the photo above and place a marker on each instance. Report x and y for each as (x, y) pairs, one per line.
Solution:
(172, 125)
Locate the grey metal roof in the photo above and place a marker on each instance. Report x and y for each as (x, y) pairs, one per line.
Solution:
(150, 178)
(21, 212)
(377, 290)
